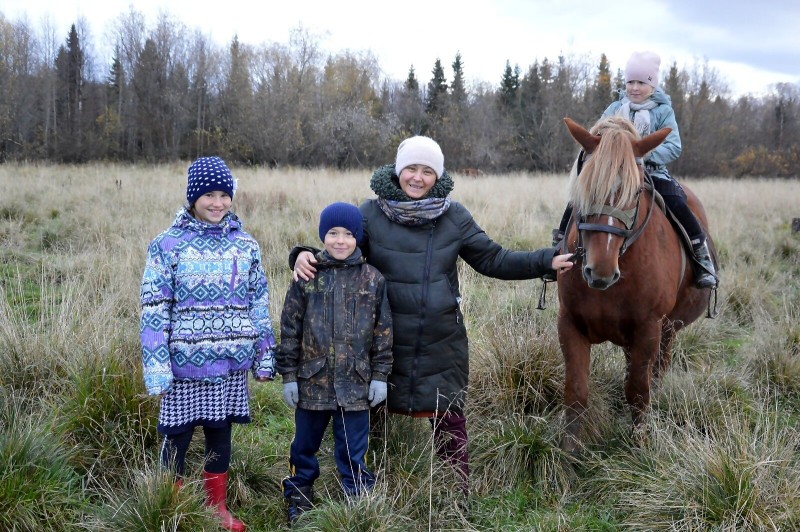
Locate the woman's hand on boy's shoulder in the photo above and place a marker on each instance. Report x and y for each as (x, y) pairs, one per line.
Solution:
(303, 268)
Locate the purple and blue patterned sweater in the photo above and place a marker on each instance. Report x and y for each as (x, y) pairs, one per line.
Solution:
(205, 304)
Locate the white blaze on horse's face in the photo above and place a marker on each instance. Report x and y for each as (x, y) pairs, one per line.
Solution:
(601, 263)
(610, 247)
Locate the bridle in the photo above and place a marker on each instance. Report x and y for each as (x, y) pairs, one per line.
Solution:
(627, 217)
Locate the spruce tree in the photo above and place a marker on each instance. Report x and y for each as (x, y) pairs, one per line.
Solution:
(509, 86)
(436, 100)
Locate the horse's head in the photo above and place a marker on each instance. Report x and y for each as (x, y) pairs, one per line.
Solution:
(604, 192)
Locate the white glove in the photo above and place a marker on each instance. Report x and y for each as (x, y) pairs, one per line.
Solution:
(290, 394)
(377, 392)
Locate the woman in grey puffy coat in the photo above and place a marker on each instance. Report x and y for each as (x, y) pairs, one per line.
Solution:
(414, 234)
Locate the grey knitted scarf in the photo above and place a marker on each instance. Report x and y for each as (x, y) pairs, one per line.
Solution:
(401, 209)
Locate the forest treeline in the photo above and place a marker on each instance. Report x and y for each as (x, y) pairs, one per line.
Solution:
(169, 93)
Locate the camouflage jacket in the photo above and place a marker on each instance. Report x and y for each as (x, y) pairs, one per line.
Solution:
(336, 334)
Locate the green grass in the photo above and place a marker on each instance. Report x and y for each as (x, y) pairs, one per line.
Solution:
(79, 450)
(38, 485)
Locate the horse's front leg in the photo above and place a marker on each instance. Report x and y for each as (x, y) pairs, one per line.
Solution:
(576, 350)
(641, 355)
(668, 332)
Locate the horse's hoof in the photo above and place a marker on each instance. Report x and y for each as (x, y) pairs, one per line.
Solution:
(571, 448)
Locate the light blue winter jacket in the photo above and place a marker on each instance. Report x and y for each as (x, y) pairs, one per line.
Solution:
(661, 116)
(205, 304)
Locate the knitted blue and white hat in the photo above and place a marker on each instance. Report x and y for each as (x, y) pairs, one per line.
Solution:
(208, 174)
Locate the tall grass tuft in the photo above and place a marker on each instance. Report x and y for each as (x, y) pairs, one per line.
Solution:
(372, 512)
(22, 364)
(774, 358)
(723, 475)
(520, 369)
(105, 414)
(149, 501)
(38, 486)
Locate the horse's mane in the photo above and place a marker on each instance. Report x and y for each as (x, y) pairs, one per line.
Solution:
(610, 174)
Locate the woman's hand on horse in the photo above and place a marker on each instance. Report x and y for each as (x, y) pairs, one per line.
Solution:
(303, 266)
(562, 263)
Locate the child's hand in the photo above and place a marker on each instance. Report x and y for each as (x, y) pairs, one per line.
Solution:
(290, 394)
(377, 393)
(265, 376)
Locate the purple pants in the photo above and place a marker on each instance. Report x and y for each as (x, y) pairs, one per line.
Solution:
(450, 440)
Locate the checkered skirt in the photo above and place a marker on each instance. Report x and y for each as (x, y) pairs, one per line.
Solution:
(192, 403)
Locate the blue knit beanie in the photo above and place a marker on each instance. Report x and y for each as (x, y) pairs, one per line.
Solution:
(208, 174)
(341, 215)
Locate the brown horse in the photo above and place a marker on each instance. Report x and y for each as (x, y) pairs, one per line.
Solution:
(633, 284)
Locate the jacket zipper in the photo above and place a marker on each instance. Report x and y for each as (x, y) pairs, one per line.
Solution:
(423, 309)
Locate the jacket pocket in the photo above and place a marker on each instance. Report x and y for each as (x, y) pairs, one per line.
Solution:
(309, 368)
(363, 369)
(457, 300)
(360, 313)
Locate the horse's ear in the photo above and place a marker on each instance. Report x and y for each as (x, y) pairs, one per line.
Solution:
(645, 144)
(588, 141)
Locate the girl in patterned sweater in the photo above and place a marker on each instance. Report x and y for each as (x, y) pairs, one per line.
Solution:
(205, 322)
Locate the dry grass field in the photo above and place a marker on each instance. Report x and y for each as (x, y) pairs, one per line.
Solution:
(78, 445)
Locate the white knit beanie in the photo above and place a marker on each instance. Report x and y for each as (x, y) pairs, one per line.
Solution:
(643, 66)
(419, 150)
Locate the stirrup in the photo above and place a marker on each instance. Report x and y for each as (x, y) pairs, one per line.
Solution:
(706, 280)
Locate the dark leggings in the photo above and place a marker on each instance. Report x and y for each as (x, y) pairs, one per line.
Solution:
(681, 210)
(218, 450)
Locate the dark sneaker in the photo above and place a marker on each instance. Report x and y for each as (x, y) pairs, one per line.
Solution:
(300, 500)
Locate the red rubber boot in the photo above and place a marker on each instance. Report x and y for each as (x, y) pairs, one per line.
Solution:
(216, 485)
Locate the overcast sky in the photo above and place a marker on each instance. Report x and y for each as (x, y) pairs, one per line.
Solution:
(752, 45)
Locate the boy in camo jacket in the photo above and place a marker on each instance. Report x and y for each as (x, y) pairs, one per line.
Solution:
(335, 355)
